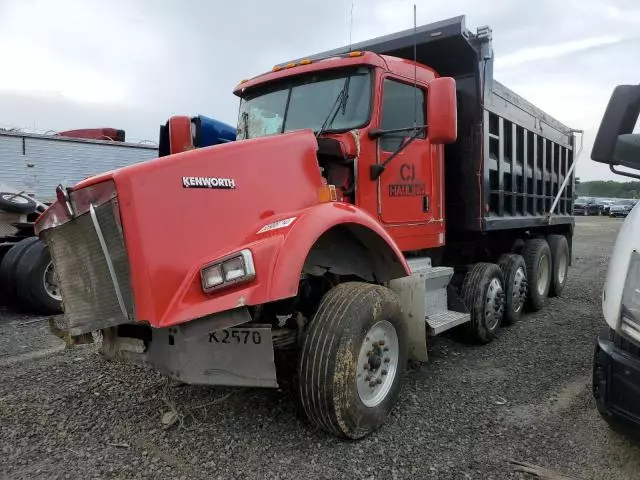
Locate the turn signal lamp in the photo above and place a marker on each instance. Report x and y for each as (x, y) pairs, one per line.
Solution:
(327, 193)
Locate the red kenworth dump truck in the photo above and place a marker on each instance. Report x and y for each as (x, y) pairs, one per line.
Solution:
(369, 202)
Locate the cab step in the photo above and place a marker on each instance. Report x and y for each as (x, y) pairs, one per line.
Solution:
(443, 321)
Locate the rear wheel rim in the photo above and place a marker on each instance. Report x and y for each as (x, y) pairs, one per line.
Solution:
(494, 304)
(50, 282)
(519, 289)
(543, 274)
(562, 268)
(377, 363)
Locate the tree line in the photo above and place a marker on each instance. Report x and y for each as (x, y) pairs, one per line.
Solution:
(610, 188)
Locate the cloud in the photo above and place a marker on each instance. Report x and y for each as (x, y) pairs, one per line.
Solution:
(554, 50)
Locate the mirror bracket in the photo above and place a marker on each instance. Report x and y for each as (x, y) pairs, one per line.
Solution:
(624, 174)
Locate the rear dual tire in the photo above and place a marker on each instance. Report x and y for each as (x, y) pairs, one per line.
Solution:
(483, 294)
(537, 258)
(547, 262)
(514, 271)
(560, 256)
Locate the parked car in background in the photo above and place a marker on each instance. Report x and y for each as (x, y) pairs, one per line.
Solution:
(606, 206)
(587, 207)
(621, 208)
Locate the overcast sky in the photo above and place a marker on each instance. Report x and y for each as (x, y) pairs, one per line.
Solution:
(131, 64)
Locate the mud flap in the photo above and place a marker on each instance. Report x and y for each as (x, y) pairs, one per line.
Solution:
(204, 352)
(411, 293)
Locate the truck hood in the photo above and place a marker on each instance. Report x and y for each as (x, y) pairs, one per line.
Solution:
(180, 212)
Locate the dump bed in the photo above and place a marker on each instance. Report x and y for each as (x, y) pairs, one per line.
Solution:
(510, 158)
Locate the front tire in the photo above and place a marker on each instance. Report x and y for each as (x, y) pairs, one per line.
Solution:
(537, 257)
(514, 271)
(352, 360)
(560, 259)
(483, 295)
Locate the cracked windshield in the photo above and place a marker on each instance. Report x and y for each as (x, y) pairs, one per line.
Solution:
(336, 102)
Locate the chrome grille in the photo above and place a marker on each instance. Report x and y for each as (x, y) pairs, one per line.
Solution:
(88, 293)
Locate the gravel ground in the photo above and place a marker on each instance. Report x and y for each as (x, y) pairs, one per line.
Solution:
(465, 414)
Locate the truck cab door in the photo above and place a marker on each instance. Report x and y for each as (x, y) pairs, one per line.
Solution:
(405, 193)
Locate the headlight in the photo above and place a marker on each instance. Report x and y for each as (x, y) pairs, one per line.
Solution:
(630, 311)
(228, 271)
(212, 276)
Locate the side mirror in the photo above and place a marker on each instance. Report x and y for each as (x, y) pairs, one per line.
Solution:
(615, 144)
(442, 111)
(626, 151)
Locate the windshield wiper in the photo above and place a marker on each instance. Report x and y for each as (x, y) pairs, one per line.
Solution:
(339, 104)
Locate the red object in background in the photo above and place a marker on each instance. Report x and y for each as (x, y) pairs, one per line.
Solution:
(95, 134)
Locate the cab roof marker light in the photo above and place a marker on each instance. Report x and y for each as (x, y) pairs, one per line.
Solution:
(290, 65)
(277, 225)
(305, 61)
(276, 68)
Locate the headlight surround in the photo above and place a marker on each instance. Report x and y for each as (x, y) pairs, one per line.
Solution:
(227, 271)
(630, 309)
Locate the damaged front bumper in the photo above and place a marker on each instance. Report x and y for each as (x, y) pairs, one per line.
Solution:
(222, 349)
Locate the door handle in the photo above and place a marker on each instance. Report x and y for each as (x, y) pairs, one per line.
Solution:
(425, 204)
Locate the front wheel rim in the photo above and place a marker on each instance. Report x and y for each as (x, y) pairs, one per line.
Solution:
(377, 363)
(494, 304)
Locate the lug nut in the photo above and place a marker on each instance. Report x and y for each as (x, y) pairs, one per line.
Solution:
(385, 349)
(379, 381)
(366, 366)
(384, 372)
(367, 378)
(372, 384)
(387, 359)
(381, 342)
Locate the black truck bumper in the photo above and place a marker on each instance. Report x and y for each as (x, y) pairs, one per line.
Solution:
(616, 378)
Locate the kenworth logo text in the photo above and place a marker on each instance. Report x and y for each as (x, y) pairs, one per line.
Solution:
(208, 182)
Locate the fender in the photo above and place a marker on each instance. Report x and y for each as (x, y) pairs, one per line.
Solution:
(279, 257)
(312, 224)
